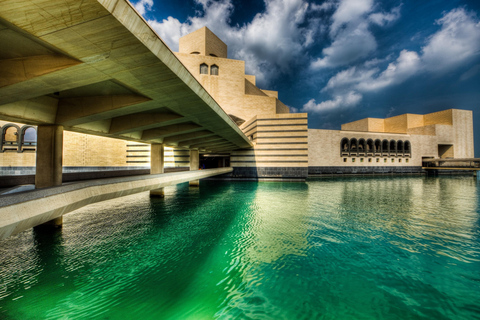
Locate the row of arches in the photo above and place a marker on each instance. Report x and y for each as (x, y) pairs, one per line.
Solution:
(213, 69)
(359, 147)
(16, 138)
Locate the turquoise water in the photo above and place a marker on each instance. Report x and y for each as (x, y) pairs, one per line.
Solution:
(340, 248)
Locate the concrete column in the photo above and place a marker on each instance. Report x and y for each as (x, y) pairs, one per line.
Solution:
(49, 156)
(194, 164)
(157, 153)
(49, 161)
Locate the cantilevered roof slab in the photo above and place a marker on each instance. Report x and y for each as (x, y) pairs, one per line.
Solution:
(96, 67)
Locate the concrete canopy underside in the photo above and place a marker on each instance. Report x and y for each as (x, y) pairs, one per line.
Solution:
(96, 67)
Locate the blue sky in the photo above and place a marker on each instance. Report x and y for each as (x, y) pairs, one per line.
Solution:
(344, 60)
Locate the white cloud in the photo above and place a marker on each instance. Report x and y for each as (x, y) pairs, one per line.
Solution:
(348, 100)
(327, 5)
(265, 55)
(456, 43)
(349, 45)
(407, 64)
(143, 6)
(381, 18)
(349, 12)
(351, 38)
(348, 79)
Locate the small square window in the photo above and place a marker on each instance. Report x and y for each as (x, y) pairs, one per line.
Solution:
(378, 160)
(361, 159)
(385, 160)
(369, 159)
(353, 159)
(344, 159)
(399, 160)
(406, 160)
(393, 160)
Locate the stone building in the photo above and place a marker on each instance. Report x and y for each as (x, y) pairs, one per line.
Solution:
(284, 147)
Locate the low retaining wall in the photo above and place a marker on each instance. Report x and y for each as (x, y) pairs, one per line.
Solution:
(25, 210)
(26, 175)
(313, 171)
(267, 173)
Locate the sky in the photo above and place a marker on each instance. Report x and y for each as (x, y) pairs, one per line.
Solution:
(344, 60)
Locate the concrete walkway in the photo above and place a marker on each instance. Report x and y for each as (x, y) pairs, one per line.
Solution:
(25, 210)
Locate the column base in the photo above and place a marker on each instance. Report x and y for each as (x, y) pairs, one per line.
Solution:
(157, 193)
(56, 223)
(194, 183)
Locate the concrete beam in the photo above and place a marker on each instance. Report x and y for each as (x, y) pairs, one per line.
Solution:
(187, 136)
(172, 130)
(209, 138)
(26, 68)
(75, 111)
(144, 121)
(19, 212)
(212, 144)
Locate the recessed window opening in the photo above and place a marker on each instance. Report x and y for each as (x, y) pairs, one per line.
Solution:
(214, 70)
(203, 68)
(195, 52)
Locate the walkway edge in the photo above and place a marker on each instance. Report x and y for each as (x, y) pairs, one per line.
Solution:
(22, 211)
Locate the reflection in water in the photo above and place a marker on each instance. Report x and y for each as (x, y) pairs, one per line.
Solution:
(355, 248)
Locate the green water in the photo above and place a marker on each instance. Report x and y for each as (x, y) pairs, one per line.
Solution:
(346, 248)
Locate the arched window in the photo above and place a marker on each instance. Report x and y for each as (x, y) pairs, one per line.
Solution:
(28, 138)
(400, 147)
(378, 146)
(370, 146)
(353, 146)
(361, 146)
(344, 147)
(385, 147)
(203, 68)
(214, 70)
(407, 148)
(393, 147)
(10, 137)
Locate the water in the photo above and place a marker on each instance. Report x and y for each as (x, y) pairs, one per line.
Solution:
(345, 248)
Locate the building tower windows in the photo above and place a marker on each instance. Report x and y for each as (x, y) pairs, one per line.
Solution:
(203, 68)
(214, 70)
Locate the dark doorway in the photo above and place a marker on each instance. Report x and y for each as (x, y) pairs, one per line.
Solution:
(218, 160)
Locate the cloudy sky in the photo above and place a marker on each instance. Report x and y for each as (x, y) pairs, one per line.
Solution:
(344, 60)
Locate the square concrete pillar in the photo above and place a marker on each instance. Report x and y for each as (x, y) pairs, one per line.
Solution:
(157, 160)
(49, 156)
(194, 164)
(157, 154)
(48, 171)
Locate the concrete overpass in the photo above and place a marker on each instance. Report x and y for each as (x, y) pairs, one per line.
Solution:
(96, 67)
(22, 211)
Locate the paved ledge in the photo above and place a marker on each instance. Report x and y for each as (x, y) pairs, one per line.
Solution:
(25, 210)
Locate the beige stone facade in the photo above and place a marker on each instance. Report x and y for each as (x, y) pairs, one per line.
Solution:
(401, 141)
(283, 146)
